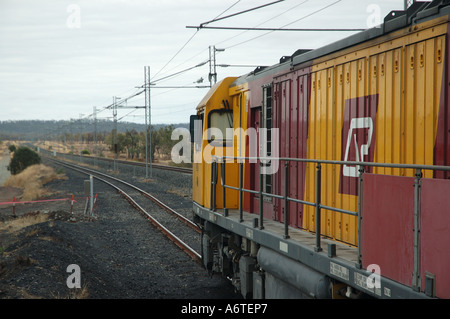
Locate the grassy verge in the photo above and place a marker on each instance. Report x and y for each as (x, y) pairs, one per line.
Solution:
(33, 179)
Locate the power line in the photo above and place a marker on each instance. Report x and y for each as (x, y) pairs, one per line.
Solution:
(304, 17)
(125, 99)
(189, 59)
(179, 72)
(190, 40)
(312, 13)
(277, 29)
(182, 87)
(184, 45)
(228, 9)
(132, 111)
(123, 93)
(202, 25)
(274, 17)
(238, 13)
(238, 65)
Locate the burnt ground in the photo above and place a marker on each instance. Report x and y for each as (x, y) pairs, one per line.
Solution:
(119, 253)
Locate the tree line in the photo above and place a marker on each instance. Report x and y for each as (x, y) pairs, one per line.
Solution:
(130, 136)
(131, 142)
(52, 129)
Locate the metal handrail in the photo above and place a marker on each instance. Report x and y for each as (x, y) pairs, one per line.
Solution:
(354, 163)
(317, 204)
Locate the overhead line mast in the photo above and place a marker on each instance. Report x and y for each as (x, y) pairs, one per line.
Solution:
(212, 64)
(148, 136)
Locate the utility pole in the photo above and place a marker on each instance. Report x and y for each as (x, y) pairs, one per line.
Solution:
(81, 134)
(71, 135)
(115, 105)
(212, 64)
(95, 136)
(115, 132)
(148, 136)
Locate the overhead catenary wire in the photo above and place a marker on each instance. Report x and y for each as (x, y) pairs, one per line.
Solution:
(107, 107)
(121, 101)
(178, 52)
(183, 46)
(265, 21)
(218, 18)
(238, 13)
(87, 116)
(132, 111)
(190, 39)
(189, 59)
(179, 72)
(227, 9)
(283, 29)
(288, 24)
(169, 90)
(203, 25)
(270, 30)
(215, 19)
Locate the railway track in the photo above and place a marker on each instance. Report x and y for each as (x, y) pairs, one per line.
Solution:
(177, 227)
(158, 166)
(184, 170)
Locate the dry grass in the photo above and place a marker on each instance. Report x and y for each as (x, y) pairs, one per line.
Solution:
(81, 293)
(17, 224)
(75, 293)
(32, 180)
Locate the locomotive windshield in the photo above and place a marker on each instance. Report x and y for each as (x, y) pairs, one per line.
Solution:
(218, 123)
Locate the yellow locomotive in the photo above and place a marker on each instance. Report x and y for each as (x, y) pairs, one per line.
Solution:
(333, 163)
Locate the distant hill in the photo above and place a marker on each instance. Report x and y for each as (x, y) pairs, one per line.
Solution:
(39, 129)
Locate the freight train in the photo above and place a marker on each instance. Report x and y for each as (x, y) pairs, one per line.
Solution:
(327, 174)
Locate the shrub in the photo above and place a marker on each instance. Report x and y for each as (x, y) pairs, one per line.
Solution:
(85, 152)
(12, 148)
(23, 157)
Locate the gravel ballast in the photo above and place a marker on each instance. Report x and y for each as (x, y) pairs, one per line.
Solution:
(119, 253)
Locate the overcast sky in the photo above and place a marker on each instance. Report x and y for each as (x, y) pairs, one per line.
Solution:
(59, 59)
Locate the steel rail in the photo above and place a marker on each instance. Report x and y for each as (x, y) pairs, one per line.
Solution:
(159, 166)
(185, 247)
(135, 163)
(185, 220)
